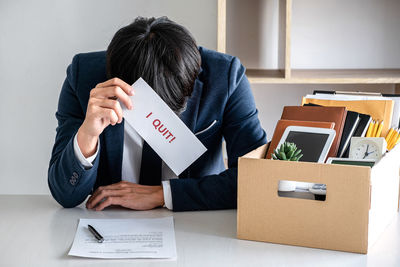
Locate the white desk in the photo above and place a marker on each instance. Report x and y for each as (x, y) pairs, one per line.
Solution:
(36, 231)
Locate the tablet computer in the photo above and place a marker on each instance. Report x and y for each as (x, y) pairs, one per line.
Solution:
(314, 142)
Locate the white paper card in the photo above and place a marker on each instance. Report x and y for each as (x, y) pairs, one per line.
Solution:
(162, 129)
(126, 238)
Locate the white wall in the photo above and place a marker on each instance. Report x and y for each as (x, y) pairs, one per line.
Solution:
(346, 34)
(39, 38)
(37, 42)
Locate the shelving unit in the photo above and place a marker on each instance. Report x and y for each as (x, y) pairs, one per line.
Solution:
(326, 76)
(287, 75)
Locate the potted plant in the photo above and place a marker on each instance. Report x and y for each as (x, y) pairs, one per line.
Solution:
(290, 152)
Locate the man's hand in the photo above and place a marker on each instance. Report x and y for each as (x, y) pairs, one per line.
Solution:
(128, 195)
(103, 109)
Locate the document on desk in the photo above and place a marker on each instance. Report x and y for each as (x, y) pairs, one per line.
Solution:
(126, 238)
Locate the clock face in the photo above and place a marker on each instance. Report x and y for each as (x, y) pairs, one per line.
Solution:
(366, 150)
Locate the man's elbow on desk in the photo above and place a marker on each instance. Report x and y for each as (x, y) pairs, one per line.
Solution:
(66, 201)
(68, 194)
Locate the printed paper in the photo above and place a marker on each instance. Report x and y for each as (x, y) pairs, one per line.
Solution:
(126, 238)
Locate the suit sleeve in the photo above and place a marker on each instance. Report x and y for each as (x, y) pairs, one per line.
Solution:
(243, 133)
(69, 182)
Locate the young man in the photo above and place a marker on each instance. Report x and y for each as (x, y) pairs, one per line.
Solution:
(96, 153)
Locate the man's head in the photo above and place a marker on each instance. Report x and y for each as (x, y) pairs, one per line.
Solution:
(160, 51)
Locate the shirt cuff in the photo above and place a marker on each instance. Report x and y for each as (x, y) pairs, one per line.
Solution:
(86, 162)
(167, 195)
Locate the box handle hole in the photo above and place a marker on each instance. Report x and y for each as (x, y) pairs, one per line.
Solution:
(303, 190)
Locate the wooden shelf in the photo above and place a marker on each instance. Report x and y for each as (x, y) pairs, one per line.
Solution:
(304, 76)
(325, 76)
(265, 76)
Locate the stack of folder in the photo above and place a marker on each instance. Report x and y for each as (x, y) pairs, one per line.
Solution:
(350, 114)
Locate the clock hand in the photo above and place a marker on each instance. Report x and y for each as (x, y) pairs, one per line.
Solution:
(371, 152)
(366, 152)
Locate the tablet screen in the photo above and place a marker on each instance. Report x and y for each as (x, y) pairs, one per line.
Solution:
(311, 144)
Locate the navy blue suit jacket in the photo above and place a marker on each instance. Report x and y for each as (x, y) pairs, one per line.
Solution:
(221, 92)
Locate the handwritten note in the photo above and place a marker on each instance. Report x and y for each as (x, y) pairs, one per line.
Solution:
(162, 129)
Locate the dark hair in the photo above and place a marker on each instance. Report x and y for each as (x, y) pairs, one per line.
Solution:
(160, 51)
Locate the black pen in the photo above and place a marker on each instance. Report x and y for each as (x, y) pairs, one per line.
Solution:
(96, 234)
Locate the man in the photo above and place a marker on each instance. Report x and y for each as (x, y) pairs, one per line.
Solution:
(97, 153)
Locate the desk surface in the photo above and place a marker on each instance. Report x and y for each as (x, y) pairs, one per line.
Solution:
(36, 231)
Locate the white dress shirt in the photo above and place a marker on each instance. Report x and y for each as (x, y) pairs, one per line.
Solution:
(131, 162)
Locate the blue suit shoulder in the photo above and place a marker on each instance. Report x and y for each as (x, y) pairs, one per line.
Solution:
(87, 69)
(89, 58)
(221, 68)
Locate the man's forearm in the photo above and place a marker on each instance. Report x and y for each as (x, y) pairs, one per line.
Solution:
(87, 144)
(69, 182)
(206, 193)
(86, 162)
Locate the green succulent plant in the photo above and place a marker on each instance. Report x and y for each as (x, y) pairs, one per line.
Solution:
(287, 151)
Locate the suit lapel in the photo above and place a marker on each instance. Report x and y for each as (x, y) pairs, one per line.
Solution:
(189, 116)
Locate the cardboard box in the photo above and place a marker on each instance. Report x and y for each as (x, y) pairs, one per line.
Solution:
(360, 202)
